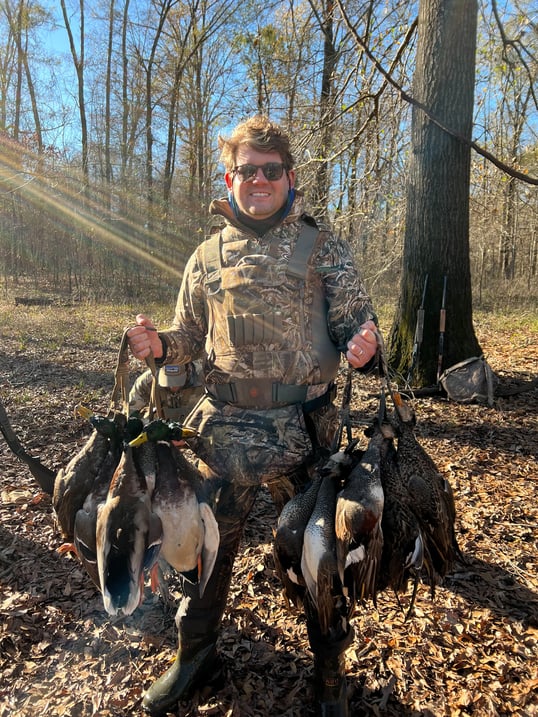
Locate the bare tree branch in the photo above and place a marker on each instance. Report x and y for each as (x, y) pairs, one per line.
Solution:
(412, 101)
(516, 45)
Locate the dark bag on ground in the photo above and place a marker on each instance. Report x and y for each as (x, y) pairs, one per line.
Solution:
(470, 381)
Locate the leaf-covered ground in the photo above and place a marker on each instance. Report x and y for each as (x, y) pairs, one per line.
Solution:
(472, 650)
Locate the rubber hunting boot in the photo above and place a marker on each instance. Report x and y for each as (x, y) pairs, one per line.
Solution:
(330, 687)
(196, 663)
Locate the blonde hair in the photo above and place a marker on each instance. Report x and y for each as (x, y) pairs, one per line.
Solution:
(260, 134)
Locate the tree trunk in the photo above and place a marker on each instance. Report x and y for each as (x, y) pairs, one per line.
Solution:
(108, 88)
(436, 241)
(78, 62)
(326, 106)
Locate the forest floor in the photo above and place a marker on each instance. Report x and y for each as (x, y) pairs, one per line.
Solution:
(472, 650)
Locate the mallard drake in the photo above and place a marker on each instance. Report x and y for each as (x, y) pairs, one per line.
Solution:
(190, 533)
(288, 541)
(115, 429)
(161, 430)
(319, 563)
(128, 533)
(84, 545)
(359, 510)
(430, 494)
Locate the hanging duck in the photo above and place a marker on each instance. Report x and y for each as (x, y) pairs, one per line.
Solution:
(190, 534)
(84, 541)
(430, 494)
(75, 482)
(289, 538)
(403, 551)
(128, 533)
(359, 511)
(319, 564)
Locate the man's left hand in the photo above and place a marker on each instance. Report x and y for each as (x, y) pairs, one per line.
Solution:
(363, 346)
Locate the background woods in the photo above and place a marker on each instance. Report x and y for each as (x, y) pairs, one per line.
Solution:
(109, 115)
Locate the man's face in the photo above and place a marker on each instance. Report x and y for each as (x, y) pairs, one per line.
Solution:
(259, 197)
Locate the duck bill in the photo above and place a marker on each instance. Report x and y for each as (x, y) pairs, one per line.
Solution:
(122, 533)
(83, 411)
(139, 440)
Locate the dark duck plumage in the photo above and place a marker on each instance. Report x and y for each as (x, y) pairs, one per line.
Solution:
(289, 538)
(161, 430)
(359, 510)
(114, 430)
(403, 543)
(76, 481)
(430, 494)
(84, 544)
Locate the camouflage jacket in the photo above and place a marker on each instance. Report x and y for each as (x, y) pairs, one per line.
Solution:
(255, 285)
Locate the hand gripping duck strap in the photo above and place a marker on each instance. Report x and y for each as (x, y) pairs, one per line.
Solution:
(120, 393)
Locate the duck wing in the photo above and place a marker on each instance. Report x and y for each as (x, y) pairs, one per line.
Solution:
(359, 535)
(210, 545)
(288, 541)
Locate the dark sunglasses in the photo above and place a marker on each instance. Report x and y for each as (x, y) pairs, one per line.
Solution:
(272, 171)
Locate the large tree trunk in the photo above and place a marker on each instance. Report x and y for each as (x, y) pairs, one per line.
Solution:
(436, 239)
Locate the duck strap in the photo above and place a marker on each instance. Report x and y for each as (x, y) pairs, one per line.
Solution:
(383, 375)
(345, 417)
(120, 392)
(155, 403)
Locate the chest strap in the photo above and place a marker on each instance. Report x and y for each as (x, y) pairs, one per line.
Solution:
(297, 265)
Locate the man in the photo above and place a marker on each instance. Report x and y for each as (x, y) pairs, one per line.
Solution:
(180, 387)
(273, 303)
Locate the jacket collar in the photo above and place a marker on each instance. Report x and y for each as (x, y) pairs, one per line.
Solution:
(221, 208)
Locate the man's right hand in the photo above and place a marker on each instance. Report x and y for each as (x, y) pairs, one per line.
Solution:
(144, 339)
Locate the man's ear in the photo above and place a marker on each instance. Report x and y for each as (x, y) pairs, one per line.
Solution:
(291, 178)
(229, 180)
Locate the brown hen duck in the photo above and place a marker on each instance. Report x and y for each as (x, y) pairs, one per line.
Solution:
(430, 494)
